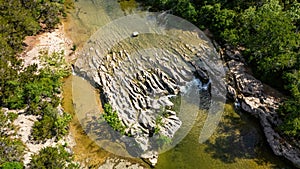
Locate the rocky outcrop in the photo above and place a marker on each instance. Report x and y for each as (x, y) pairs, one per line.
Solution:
(140, 89)
(140, 96)
(139, 77)
(249, 94)
(150, 157)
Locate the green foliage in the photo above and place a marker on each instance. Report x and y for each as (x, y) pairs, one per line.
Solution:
(52, 124)
(11, 150)
(112, 118)
(54, 158)
(12, 165)
(277, 47)
(184, 8)
(291, 124)
(28, 87)
(19, 86)
(12, 116)
(158, 123)
(6, 120)
(32, 87)
(218, 20)
(55, 62)
(20, 18)
(289, 110)
(293, 83)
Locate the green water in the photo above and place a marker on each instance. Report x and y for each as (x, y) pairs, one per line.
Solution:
(237, 143)
(89, 15)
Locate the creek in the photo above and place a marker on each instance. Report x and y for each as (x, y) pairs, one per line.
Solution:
(238, 141)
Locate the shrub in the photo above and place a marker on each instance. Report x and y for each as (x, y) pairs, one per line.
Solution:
(11, 150)
(12, 165)
(112, 118)
(54, 158)
(52, 124)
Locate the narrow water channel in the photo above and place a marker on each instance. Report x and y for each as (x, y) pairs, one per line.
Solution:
(238, 141)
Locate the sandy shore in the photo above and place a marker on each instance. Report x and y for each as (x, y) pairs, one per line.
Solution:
(54, 41)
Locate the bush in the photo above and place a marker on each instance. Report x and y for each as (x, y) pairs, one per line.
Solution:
(12, 165)
(54, 158)
(11, 150)
(112, 118)
(52, 124)
(289, 110)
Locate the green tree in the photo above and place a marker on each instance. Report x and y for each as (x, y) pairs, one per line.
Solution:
(289, 110)
(184, 8)
(11, 150)
(218, 20)
(268, 33)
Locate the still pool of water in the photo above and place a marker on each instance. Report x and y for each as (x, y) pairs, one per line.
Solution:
(237, 143)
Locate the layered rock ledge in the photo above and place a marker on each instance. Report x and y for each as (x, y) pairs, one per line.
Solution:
(142, 86)
(141, 89)
(248, 94)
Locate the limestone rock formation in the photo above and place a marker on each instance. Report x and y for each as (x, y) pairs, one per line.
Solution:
(142, 82)
(249, 93)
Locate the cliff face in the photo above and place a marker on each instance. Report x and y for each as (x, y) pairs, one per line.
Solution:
(249, 95)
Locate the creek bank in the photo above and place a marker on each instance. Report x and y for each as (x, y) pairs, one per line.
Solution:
(49, 42)
(248, 94)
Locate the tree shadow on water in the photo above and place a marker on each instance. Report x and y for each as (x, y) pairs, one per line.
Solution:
(227, 143)
(237, 139)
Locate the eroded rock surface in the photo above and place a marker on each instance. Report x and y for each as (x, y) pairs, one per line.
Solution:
(141, 87)
(249, 93)
(143, 77)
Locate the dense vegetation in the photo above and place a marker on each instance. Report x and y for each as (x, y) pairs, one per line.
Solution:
(267, 31)
(36, 90)
(54, 158)
(18, 84)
